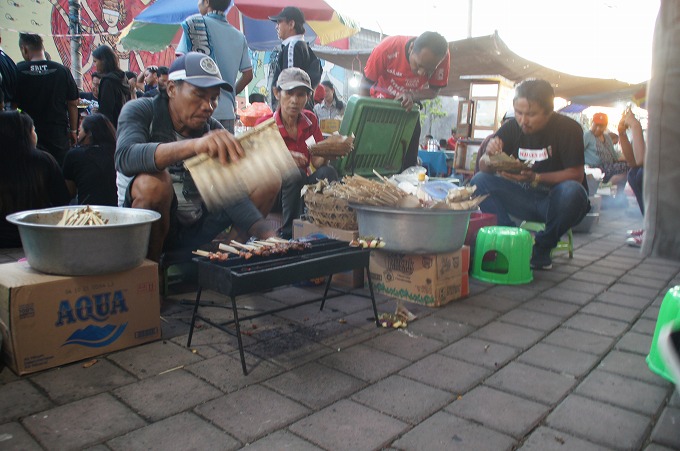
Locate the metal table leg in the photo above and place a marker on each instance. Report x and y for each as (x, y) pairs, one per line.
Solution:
(193, 316)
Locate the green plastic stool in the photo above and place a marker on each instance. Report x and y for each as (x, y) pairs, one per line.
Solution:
(668, 313)
(567, 246)
(511, 247)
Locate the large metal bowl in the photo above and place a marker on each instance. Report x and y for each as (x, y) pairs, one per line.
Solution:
(84, 250)
(414, 230)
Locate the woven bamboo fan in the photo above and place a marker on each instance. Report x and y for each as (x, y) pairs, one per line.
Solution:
(267, 162)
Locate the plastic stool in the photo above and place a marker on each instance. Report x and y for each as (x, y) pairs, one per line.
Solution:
(561, 245)
(668, 313)
(512, 249)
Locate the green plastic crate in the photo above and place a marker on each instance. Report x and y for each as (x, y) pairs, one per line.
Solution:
(382, 132)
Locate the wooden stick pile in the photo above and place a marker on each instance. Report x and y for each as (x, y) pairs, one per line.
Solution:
(82, 217)
(369, 192)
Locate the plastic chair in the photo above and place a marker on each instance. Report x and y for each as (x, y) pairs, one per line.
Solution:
(668, 313)
(502, 255)
(561, 245)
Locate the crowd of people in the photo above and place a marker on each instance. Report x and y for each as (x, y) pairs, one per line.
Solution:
(130, 150)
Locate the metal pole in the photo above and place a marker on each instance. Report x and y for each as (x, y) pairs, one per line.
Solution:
(74, 32)
(469, 33)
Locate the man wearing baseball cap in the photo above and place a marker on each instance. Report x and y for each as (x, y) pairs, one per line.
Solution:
(298, 125)
(600, 152)
(294, 51)
(157, 134)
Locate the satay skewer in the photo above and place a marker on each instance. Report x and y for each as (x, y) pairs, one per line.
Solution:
(275, 239)
(246, 247)
(226, 247)
(265, 243)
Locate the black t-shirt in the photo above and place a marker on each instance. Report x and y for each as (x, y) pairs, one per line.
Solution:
(43, 90)
(18, 183)
(558, 146)
(93, 170)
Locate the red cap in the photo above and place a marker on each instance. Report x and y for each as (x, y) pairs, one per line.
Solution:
(600, 119)
(319, 93)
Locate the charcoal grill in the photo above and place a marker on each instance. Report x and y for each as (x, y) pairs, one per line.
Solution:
(238, 276)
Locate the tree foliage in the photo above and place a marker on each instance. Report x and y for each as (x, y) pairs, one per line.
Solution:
(432, 108)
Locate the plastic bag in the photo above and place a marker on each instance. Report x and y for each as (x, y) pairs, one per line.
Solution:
(253, 112)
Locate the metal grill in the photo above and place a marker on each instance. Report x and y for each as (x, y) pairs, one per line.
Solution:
(238, 276)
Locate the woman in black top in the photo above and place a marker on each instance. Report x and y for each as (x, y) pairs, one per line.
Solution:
(114, 89)
(89, 168)
(29, 178)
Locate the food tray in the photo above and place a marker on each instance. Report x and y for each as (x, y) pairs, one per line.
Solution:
(333, 146)
(506, 163)
(414, 230)
(119, 245)
(382, 132)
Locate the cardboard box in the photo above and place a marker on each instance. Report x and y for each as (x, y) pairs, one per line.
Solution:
(349, 279)
(430, 279)
(329, 125)
(47, 320)
(305, 228)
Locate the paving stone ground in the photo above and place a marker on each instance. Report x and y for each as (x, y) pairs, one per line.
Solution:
(556, 364)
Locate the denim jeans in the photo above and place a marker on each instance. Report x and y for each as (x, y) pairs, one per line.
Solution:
(560, 207)
(635, 177)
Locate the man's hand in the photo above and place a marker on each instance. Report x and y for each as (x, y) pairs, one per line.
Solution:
(406, 100)
(300, 159)
(220, 144)
(526, 176)
(494, 147)
(628, 120)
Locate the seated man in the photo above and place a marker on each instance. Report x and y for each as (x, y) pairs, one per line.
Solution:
(296, 124)
(157, 133)
(554, 190)
(600, 152)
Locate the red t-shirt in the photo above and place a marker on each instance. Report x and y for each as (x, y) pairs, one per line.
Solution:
(308, 125)
(389, 68)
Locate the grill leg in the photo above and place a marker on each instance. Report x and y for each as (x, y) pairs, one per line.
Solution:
(370, 287)
(325, 293)
(238, 335)
(193, 317)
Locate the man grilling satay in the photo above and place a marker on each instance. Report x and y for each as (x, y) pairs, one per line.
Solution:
(155, 134)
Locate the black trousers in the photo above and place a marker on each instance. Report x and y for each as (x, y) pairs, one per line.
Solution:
(291, 202)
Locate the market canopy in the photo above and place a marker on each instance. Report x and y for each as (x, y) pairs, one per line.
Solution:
(490, 56)
(158, 25)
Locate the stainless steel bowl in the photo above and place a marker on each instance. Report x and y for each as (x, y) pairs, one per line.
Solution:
(85, 250)
(414, 230)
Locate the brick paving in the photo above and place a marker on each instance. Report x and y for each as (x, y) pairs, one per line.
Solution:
(555, 364)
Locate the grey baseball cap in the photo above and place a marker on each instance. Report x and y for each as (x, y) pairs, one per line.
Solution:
(292, 78)
(199, 70)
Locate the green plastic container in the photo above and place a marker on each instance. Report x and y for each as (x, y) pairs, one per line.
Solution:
(382, 132)
(503, 255)
(668, 313)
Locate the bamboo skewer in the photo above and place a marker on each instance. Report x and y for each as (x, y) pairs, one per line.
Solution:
(226, 247)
